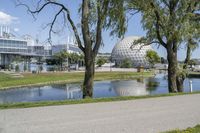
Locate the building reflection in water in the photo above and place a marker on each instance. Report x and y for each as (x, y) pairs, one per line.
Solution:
(73, 92)
(130, 88)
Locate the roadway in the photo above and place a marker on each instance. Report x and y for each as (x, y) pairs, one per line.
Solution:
(151, 115)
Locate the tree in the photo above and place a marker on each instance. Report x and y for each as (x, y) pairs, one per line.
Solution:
(152, 57)
(17, 68)
(74, 57)
(192, 42)
(96, 15)
(101, 61)
(163, 60)
(61, 57)
(167, 24)
(40, 68)
(25, 67)
(126, 63)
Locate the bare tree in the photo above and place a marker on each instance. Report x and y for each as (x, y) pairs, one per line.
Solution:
(96, 15)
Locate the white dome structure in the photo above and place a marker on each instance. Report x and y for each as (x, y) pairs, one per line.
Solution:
(125, 49)
(130, 88)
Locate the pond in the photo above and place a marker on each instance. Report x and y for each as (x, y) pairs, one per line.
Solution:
(137, 87)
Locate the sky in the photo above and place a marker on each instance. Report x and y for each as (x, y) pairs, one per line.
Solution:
(23, 23)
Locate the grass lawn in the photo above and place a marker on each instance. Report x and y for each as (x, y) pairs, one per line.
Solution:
(195, 129)
(59, 77)
(83, 101)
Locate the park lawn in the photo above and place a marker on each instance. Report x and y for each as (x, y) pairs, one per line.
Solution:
(85, 101)
(62, 77)
(195, 129)
(4, 77)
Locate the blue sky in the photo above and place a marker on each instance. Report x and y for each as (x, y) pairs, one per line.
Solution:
(23, 23)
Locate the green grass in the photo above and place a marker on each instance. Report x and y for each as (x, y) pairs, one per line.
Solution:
(83, 101)
(4, 77)
(51, 78)
(195, 129)
(194, 75)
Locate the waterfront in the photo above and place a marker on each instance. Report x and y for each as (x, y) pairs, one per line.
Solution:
(108, 88)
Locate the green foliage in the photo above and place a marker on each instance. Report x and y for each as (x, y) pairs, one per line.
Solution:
(18, 59)
(61, 56)
(168, 21)
(113, 16)
(25, 67)
(191, 62)
(152, 57)
(40, 68)
(101, 61)
(195, 129)
(126, 63)
(11, 67)
(17, 68)
(74, 57)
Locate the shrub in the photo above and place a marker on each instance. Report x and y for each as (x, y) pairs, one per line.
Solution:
(126, 63)
(101, 61)
(17, 68)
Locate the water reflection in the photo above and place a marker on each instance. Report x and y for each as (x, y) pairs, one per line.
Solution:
(141, 86)
(129, 88)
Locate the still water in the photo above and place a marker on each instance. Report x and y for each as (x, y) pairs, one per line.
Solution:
(137, 87)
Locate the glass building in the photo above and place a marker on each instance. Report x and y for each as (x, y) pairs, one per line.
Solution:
(11, 48)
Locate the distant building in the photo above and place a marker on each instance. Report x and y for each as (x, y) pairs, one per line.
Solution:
(107, 56)
(12, 47)
(126, 50)
(70, 48)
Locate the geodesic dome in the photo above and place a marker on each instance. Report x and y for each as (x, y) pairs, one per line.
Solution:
(136, 54)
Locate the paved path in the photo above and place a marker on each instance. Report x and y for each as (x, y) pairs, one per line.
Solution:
(135, 116)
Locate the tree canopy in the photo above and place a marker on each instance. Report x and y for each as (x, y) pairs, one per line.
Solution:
(152, 57)
(169, 23)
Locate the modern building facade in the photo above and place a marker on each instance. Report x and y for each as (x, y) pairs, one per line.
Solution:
(69, 47)
(125, 49)
(12, 47)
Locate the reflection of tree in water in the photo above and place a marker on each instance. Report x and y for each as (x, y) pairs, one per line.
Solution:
(58, 86)
(140, 80)
(39, 91)
(152, 84)
(110, 89)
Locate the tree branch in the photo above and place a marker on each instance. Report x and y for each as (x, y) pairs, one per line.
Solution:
(75, 31)
(52, 24)
(158, 26)
(101, 16)
(63, 8)
(85, 25)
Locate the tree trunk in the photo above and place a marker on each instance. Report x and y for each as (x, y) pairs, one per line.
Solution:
(179, 81)
(172, 70)
(89, 77)
(181, 77)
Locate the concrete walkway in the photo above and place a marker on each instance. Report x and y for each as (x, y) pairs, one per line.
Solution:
(136, 116)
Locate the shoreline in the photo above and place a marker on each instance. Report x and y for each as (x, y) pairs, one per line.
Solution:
(134, 75)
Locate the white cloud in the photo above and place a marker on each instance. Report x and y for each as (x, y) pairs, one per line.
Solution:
(6, 18)
(16, 29)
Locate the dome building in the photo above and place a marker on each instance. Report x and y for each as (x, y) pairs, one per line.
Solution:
(136, 54)
(130, 88)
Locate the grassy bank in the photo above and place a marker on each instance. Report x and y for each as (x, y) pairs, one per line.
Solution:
(195, 129)
(82, 101)
(194, 75)
(49, 78)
